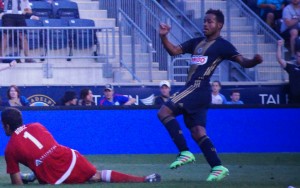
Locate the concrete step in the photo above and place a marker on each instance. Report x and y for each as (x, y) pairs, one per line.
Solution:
(102, 37)
(259, 47)
(270, 73)
(104, 22)
(88, 5)
(141, 57)
(90, 14)
(123, 75)
(196, 6)
(237, 21)
(237, 28)
(244, 38)
(126, 48)
(62, 73)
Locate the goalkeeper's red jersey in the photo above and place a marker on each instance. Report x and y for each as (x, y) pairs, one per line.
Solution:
(33, 146)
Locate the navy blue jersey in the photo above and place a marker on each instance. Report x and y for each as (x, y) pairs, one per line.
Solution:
(294, 77)
(206, 56)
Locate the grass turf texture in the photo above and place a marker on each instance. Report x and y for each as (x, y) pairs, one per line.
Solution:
(246, 170)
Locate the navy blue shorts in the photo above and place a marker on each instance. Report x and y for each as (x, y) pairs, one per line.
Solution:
(192, 102)
(14, 20)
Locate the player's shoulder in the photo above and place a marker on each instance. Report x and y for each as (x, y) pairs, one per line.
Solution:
(198, 39)
(223, 40)
(34, 124)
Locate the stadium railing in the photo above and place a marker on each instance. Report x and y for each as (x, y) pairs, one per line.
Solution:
(139, 42)
(57, 43)
(147, 15)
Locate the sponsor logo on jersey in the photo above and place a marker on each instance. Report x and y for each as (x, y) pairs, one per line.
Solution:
(40, 100)
(38, 162)
(198, 60)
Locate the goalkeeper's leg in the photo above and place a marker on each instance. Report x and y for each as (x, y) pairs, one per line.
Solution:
(112, 176)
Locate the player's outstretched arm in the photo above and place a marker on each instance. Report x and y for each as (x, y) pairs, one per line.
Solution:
(281, 61)
(16, 179)
(172, 49)
(249, 63)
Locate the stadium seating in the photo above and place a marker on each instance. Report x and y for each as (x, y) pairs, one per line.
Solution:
(82, 38)
(42, 9)
(65, 9)
(34, 36)
(58, 38)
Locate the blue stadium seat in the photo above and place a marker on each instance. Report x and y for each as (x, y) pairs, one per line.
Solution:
(82, 38)
(58, 38)
(34, 36)
(41, 9)
(63, 9)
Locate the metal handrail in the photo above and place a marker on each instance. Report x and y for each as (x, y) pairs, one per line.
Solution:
(135, 25)
(182, 14)
(169, 16)
(148, 47)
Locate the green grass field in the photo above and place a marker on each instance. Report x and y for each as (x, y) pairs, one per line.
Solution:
(246, 170)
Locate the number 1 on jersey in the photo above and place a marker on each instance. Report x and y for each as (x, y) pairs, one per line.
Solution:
(32, 139)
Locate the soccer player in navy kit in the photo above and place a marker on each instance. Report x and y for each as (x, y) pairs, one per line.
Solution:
(194, 99)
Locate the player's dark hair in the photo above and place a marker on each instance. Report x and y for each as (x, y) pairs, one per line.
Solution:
(68, 96)
(16, 88)
(12, 117)
(234, 91)
(218, 13)
(218, 82)
(83, 93)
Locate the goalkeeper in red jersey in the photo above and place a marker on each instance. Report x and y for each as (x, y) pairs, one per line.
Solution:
(33, 146)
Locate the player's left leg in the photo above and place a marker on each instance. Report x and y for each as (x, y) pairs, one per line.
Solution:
(218, 171)
(112, 176)
(168, 119)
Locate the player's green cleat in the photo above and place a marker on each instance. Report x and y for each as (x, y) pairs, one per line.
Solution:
(218, 173)
(183, 158)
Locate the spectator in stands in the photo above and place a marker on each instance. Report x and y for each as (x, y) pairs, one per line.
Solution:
(1, 6)
(290, 25)
(112, 99)
(216, 96)
(252, 4)
(15, 13)
(86, 98)
(271, 10)
(293, 71)
(15, 98)
(69, 99)
(165, 88)
(235, 98)
(9, 65)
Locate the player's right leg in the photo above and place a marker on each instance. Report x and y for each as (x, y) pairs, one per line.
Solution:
(168, 119)
(112, 176)
(218, 172)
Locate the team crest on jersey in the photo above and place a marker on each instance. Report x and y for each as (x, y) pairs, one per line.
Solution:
(199, 51)
(38, 162)
(40, 100)
(199, 60)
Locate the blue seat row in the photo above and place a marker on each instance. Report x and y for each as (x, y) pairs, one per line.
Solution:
(61, 38)
(56, 9)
